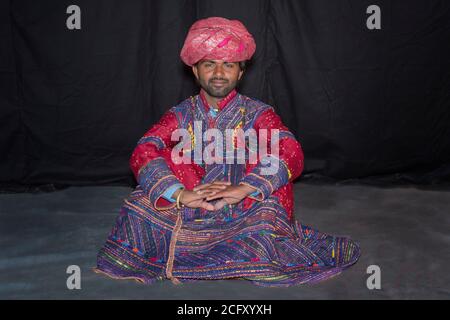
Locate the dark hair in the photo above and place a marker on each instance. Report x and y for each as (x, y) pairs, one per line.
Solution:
(243, 64)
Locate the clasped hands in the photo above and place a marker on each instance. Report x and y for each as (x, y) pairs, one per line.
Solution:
(227, 193)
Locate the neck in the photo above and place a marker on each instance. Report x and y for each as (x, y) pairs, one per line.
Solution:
(212, 101)
(217, 103)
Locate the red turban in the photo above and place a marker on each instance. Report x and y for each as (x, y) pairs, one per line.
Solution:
(217, 38)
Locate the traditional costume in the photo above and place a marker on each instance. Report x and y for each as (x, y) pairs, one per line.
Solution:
(257, 239)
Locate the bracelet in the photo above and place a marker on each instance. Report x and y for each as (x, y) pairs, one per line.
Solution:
(178, 200)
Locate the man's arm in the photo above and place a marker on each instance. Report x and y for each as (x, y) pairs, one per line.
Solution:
(149, 166)
(290, 158)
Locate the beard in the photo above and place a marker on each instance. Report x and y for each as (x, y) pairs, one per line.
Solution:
(217, 92)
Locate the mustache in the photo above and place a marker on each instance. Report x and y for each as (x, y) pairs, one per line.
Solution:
(218, 79)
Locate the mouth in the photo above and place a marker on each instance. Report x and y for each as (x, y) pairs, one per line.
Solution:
(217, 83)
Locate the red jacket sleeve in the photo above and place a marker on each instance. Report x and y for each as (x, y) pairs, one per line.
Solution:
(153, 141)
(149, 160)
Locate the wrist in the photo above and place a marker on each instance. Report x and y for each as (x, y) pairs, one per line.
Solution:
(179, 202)
(247, 189)
(176, 193)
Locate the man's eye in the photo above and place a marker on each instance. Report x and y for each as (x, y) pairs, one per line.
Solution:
(230, 65)
(208, 65)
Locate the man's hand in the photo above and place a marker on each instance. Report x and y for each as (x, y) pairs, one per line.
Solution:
(231, 195)
(196, 197)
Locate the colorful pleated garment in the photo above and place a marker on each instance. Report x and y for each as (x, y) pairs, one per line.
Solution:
(260, 244)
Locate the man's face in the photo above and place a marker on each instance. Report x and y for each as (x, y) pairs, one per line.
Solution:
(218, 78)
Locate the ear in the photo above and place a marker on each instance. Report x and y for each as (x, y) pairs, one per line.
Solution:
(240, 74)
(195, 71)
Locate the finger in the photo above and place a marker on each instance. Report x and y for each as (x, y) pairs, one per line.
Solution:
(202, 186)
(207, 206)
(226, 183)
(195, 203)
(216, 196)
(220, 204)
(203, 194)
(231, 197)
(213, 188)
(215, 183)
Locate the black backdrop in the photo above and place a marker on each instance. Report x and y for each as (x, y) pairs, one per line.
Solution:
(371, 105)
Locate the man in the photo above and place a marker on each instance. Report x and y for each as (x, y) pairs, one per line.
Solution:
(203, 219)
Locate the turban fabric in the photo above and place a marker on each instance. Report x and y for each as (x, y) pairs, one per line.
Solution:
(217, 38)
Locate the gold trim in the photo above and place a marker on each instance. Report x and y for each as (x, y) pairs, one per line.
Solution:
(171, 257)
(170, 206)
(117, 278)
(178, 199)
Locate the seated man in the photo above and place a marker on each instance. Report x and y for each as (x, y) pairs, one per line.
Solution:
(216, 218)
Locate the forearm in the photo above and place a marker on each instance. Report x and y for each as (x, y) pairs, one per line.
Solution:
(247, 190)
(155, 179)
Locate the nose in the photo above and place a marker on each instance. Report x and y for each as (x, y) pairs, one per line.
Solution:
(219, 71)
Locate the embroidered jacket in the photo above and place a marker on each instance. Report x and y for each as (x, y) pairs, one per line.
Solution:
(156, 173)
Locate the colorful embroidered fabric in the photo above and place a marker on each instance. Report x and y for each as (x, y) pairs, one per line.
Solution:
(217, 38)
(257, 240)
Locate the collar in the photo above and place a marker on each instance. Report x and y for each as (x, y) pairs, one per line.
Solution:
(222, 103)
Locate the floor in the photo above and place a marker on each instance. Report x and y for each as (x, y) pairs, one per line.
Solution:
(403, 230)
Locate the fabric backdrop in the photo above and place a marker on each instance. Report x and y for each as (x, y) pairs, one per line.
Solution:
(366, 105)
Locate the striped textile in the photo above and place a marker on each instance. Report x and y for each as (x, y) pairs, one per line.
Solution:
(259, 245)
(259, 241)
